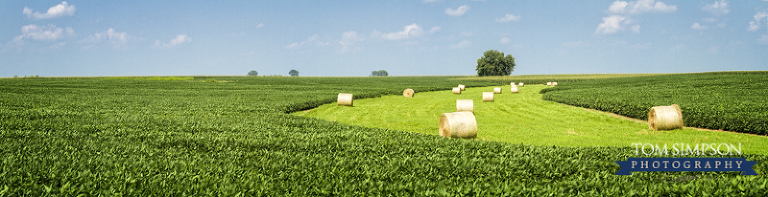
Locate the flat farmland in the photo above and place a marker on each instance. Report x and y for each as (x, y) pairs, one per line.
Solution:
(234, 136)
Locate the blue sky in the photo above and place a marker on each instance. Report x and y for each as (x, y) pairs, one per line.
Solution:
(353, 38)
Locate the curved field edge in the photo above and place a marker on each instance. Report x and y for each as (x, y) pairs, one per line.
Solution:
(730, 101)
(87, 136)
(522, 118)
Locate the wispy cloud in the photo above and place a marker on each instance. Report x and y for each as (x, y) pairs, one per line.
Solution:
(639, 6)
(462, 44)
(312, 40)
(178, 40)
(508, 18)
(46, 33)
(757, 23)
(621, 11)
(110, 36)
(434, 29)
(717, 8)
(458, 11)
(260, 25)
(697, 26)
(412, 30)
(348, 40)
(504, 40)
(56, 11)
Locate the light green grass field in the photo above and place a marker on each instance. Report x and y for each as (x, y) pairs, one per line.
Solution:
(522, 118)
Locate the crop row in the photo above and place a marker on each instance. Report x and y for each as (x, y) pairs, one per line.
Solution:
(230, 136)
(731, 101)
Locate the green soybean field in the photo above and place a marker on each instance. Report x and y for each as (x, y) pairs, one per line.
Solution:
(235, 136)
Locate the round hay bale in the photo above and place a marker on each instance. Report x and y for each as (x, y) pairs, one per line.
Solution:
(462, 87)
(554, 83)
(344, 99)
(513, 89)
(665, 118)
(487, 96)
(513, 84)
(549, 83)
(408, 93)
(465, 105)
(521, 84)
(457, 90)
(458, 125)
(497, 90)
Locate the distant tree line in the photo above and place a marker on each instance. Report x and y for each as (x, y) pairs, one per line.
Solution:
(380, 73)
(253, 73)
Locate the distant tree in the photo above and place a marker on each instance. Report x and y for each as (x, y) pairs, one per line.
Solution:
(494, 63)
(293, 73)
(253, 73)
(380, 73)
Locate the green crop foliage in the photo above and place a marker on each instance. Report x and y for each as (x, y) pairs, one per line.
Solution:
(110, 137)
(521, 118)
(730, 101)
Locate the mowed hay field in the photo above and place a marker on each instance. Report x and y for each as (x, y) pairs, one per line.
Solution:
(521, 118)
(172, 136)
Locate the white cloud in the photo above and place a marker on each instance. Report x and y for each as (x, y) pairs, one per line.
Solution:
(46, 33)
(697, 26)
(312, 40)
(505, 40)
(640, 6)
(507, 18)
(110, 35)
(60, 10)
(462, 44)
(755, 24)
(430, 1)
(458, 11)
(178, 40)
(622, 10)
(348, 39)
(260, 25)
(717, 8)
(611, 24)
(411, 30)
(434, 29)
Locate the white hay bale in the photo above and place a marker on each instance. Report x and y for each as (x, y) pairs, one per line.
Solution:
(513, 84)
(497, 90)
(463, 87)
(554, 83)
(549, 83)
(457, 90)
(521, 84)
(487, 96)
(458, 125)
(665, 118)
(408, 93)
(465, 105)
(513, 89)
(344, 99)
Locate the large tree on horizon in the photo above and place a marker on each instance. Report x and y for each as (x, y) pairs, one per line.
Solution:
(494, 63)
